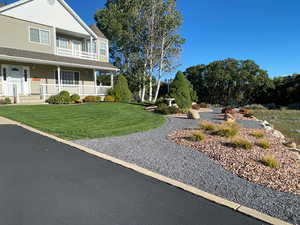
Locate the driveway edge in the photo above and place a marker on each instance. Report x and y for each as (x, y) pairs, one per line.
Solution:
(221, 201)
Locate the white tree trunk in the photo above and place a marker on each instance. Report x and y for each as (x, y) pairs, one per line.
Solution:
(157, 90)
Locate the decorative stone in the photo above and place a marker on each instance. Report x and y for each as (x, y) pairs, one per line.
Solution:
(229, 118)
(290, 144)
(278, 134)
(193, 114)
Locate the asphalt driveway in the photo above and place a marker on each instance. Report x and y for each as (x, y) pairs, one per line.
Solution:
(44, 182)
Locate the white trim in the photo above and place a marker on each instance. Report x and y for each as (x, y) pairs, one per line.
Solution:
(40, 61)
(40, 42)
(27, 84)
(64, 4)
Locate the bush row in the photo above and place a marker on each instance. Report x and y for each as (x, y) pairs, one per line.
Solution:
(64, 97)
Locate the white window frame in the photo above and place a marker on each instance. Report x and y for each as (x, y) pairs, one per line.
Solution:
(40, 42)
(61, 77)
(106, 48)
(62, 39)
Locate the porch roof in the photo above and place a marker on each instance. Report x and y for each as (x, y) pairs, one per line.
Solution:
(18, 55)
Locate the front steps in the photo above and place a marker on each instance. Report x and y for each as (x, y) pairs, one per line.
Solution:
(31, 100)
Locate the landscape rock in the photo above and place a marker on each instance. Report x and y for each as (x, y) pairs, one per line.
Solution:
(193, 114)
(278, 134)
(229, 118)
(290, 144)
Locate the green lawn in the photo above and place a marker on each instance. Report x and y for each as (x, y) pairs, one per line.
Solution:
(73, 122)
(286, 121)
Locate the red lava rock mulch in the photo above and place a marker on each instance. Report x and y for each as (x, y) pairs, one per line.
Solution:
(245, 163)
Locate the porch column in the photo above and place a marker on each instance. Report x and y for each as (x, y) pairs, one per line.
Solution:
(95, 82)
(59, 79)
(112, 80)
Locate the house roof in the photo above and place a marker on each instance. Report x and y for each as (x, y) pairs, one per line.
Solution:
(18, 55)
(64, 4)
(97, 31)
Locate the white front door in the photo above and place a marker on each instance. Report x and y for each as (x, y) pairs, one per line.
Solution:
(76, 47)
(17, 79)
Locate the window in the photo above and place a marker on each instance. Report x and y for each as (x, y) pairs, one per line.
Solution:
(39, 36)
(34, 35)
(62, 42)
(86, 47)
(103, 48)
(44, 36)
(68, 77)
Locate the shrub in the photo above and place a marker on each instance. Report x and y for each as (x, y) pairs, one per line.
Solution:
(208, 126)
(204, 105)
(226, 130)
(5, 101)
(121, 91)
(64, 94)
(75, 97)
(181, 91)
(258, 134)
(239, 142)
(271, 106)
(109, 98)
(263, 144)
(62, 98)
(295, 106)
(249, 113)
(92, 99)
(166, 110)
(270, 161)
(255, 107)
(198, 136)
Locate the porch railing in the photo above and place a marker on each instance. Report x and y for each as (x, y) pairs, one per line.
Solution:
(76, 54)
(48, 90)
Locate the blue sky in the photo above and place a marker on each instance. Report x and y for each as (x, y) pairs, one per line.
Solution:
(267, 31)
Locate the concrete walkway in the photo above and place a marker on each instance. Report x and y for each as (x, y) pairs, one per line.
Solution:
(44, 182)
(151, 150)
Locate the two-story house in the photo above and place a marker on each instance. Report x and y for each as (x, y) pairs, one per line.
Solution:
(45, 48)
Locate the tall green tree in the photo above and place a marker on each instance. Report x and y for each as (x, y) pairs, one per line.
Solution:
(121, 91)
(181, 90)
(229, 81)
(144, 38)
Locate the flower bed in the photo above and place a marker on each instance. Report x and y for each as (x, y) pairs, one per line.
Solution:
(248, 163)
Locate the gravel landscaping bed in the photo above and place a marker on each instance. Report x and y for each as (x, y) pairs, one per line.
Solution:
(246, 162)
(152, 150)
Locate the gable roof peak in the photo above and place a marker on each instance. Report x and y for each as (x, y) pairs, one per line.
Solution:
(51, 2)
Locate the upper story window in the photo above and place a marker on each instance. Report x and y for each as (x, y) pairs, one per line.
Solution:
(62, 42)
(88, 48)
(103, 48)
(39, 36)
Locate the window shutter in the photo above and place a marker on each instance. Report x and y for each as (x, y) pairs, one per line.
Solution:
(25, 75)
(76, 77)
(56, 77)
(4, 74)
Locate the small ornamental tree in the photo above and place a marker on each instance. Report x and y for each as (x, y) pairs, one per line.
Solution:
(121, 91)
(182, 92)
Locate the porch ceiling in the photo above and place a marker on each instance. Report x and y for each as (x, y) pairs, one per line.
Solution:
(18, 55)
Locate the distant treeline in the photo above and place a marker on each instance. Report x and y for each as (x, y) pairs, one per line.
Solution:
(241, 82)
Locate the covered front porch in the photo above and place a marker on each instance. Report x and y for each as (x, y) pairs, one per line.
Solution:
(83, 83)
